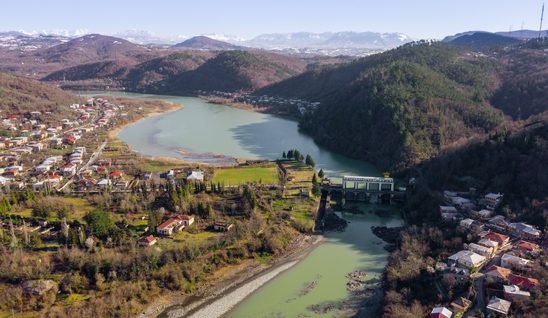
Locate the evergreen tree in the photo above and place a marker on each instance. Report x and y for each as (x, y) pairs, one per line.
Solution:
(309, 161)
(321, 174)
(316, 190)
(290, 154)
(284, 155)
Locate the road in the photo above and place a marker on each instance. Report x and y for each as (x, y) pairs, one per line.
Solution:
(94, 156)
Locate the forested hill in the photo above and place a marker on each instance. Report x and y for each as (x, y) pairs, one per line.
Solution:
(514, 162)
(19, 95)
(233, 71)
(405, 105)
(401, 106)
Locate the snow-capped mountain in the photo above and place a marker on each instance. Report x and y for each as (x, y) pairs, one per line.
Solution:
(23, 41)
(328, 40)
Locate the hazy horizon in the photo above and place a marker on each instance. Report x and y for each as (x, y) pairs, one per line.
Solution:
(245, 19)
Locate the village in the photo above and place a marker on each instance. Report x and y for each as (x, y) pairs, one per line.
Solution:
(498, 262)
(293, 106)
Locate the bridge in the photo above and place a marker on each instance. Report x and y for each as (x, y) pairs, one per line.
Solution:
(360, 188)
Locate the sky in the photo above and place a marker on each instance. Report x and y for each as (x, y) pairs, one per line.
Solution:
(420, 19)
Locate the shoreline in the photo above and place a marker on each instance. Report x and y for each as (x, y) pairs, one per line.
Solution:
(218, 298)
(113, 134)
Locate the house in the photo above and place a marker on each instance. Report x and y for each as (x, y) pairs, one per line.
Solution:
(513, 293)
(492, 200)
(484, 214)
(514, 262)
(498, 223)
(222, 226)
(466, 223)
(448, 213)
(497, 274)
(440, 312)
(459, 201)
(480, 249)
(187, 219)
(527, 247)
(69, 139)
(523, 282)
(195, 175)
(68, 169)
(525, 231)
(173, 224)
(471, 225)
(148, 240)
(502, 239)
(116, 174)
(499, 306)
(467, 259)
(488, 243)
(103, 183)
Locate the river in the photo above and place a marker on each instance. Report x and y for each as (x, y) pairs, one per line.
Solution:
(316, 286)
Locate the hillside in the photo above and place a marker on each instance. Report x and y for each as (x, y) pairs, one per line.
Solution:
(483, 41)
(398, 107)
(205, 43)
(90, 51)
(233, 71)
(524, 89)
(97, 70)
(513, 161)
(20, 95)
(135, 77)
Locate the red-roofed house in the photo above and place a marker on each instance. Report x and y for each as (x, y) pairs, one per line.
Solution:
(68, 169)
(527, 246)
(173, 224)
(116, 174)
(148, 240)
(440, 312)
(523, 282)
(69, 140)
(497, 237)
(497, 274)
(187, 219)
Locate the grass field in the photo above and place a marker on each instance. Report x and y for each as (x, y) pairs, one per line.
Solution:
(158, 166)
(184, 237)
(81, 207)
(302, 178)
(243, 175)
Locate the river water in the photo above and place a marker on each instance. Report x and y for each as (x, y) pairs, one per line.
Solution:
(209, 133)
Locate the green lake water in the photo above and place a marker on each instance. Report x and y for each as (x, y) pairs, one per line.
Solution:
(315, 287)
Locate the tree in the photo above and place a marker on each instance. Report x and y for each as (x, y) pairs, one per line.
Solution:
(290, 154)
(321, 174)
(100, 224)
(284, 155)
(316, 190)
(309, 161)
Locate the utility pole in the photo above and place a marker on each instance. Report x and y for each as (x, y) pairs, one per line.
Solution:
(541, 19)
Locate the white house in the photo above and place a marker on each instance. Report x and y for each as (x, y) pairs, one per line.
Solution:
(499, 306)
(467, 259)
(480, 249)
(524, 230)
(492, 200)
(514, 262)
(489, 243)
(196, 175)
(512, 292)
(173, 224)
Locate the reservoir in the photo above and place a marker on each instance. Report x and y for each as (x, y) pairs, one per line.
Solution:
(316, 286)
